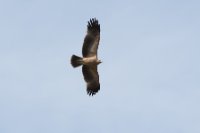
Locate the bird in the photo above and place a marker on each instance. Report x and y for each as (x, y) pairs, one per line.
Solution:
(89, 60)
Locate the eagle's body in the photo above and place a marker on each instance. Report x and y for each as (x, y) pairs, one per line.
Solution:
(90, 61)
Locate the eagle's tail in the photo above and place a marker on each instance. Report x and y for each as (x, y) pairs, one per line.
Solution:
(76, 61)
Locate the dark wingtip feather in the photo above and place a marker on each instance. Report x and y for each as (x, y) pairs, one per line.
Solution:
(93, 91)
(93, 25)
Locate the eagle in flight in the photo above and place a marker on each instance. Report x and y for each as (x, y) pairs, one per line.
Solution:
(89, 61)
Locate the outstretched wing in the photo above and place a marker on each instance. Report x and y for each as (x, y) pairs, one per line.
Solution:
(91, 41)
(91, 78)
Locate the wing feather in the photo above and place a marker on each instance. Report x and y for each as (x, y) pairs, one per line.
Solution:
(91, 40)
(91, 77)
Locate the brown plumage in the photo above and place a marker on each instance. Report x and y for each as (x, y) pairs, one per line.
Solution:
(90, 60)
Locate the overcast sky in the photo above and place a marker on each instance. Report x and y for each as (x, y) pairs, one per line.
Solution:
(150, 75)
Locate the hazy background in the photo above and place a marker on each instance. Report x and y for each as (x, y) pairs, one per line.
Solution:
(150, 75)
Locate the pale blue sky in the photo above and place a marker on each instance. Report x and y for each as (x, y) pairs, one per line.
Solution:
(150, 75)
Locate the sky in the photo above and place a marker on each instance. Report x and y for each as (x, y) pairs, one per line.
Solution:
(150, 75)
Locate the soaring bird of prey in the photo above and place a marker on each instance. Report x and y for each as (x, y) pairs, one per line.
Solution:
(89, 61)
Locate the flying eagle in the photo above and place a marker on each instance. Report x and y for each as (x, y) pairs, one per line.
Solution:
(89, 61)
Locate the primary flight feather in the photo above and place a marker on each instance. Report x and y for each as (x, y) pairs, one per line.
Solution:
(89, 61)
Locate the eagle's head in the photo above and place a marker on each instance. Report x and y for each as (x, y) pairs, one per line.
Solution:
(99, 61)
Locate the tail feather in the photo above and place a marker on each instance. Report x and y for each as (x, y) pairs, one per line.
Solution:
(76, 61)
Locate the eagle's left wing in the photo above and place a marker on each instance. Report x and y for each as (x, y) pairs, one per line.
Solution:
(91, 41)
(91, 78)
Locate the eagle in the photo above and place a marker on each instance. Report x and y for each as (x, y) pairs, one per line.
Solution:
(90, 61)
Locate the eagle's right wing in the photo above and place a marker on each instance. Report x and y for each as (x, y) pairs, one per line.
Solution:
(91, 41)
(91, 78)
